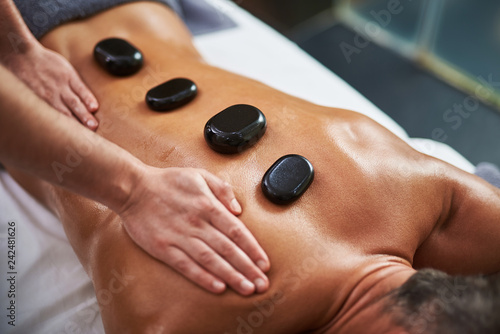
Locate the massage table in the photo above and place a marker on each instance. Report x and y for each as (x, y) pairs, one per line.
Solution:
(53, 294)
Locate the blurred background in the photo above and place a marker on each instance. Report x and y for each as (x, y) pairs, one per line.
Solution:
(432, 65)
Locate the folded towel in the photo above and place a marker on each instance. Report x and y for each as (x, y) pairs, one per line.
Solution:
(489, 172)
(204, 17)
(42, 16)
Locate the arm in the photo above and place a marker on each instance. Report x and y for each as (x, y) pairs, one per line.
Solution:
(47, 73)
(179, 216)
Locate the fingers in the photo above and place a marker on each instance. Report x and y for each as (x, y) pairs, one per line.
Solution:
(230, 225)
(235, 243)
(67, 101)
(85, 98)
(79, 110)
(237, 267)
(85, 95)
(210, 260)
(187, 267)
(223, 191)
(239, 234)
(61, 107)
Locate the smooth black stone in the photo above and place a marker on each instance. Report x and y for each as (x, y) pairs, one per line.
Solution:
(118, 57)
(235, 129)
(171, 94)
(287, 179)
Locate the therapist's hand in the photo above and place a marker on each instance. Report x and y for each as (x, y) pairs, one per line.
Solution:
(53, 78)
(186, 218)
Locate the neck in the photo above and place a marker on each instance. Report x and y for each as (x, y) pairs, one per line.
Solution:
(362, 311)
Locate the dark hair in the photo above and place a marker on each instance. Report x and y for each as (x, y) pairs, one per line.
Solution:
(434, 302)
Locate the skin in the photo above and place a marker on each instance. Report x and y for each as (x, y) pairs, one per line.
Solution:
(376, 211)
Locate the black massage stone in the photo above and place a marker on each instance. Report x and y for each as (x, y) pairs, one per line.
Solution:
(118, 56)
(235, 129)
(171, 94)
(287, 179)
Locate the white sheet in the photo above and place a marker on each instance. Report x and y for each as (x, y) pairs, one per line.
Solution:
(53, 293)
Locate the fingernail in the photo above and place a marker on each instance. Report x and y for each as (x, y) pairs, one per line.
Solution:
(93, 105)
(260, 284)
(91, 123)
(247, 285)
(235, 206)
(262, 265)
(218, 286)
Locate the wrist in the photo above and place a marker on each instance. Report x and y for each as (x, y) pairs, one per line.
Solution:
(128, 184)
(15, 37)
(17, 50)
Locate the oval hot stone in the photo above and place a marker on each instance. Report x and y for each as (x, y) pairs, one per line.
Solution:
(118, 57)
(287, 179)
(235, 129)
(171, 95)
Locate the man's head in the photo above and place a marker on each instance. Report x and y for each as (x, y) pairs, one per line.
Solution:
(434, 302)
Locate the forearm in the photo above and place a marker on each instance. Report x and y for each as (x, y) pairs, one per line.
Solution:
(15, 36)
(59, 149)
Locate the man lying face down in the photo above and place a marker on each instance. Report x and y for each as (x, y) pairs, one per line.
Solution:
(347, 256)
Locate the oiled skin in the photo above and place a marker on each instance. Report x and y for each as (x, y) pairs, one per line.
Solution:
(375, 205)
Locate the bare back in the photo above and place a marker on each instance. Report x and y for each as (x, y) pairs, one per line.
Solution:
(374, 200)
